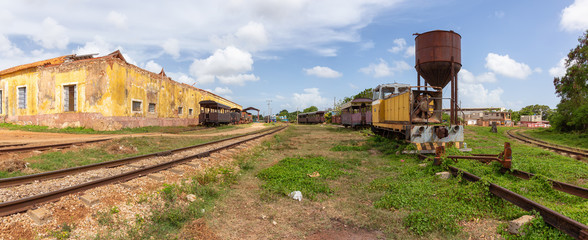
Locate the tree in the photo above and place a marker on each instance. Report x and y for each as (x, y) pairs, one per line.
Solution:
(283, 113)
(536, 109)
(366, 93)
(573, 90)
(310, 109)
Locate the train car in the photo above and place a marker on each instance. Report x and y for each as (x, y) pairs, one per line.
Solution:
(246, 117)
(357, 113)
(235, 114)
(312, 117)
(336, 119)
(213, 113)
(414, 114)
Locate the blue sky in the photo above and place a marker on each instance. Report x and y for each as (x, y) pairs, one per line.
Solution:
(299, 53)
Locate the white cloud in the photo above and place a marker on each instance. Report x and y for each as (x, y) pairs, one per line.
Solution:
(180, 77)
(238, 79)
(573, 17)
(171, 46)
(560, 69)
(280, 97)
(352, 86)
(468, 77)
(506, 66)
(327, 52)
(382, 69)
(7, 48)
(254, 26)
(229, 65)
(400, 47)
(99, 46)
(324, 72)
(399, 43)
(252, 36)
(153, 67)
(310, 97)
(476, 95)
(51, 35)
(117, 19)
(410, 51)
(222, 91)
(367, 45)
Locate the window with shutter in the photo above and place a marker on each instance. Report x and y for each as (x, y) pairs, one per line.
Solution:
(22, 97)
(151, 107)
(70, 98)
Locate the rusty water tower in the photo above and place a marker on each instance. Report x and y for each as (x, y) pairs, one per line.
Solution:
(438, 60)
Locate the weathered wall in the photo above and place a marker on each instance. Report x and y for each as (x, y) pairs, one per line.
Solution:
(106, 88)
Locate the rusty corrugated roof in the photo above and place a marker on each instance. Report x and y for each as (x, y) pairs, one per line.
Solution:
(52, 61)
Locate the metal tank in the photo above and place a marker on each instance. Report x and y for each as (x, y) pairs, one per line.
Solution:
(438, 60)
(435, 53)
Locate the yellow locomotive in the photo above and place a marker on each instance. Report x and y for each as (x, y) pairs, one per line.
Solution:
(414, 112)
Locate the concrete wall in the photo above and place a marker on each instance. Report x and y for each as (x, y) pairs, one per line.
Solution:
(106, 88)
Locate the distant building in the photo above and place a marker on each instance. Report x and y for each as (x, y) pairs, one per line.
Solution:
(484, 116)
(533, 121)
(103, 93)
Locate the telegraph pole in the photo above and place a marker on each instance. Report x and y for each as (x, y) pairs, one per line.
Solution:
(269, 110)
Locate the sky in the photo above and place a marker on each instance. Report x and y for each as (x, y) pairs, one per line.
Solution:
(294, 54)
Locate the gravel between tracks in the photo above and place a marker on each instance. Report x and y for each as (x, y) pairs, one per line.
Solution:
(70, 209)
(36, 188)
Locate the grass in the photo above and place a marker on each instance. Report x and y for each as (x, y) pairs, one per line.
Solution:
(368, 186)
(107, 151)
(82, 130)
(292, 174)
(170, 210)
(573, 139)
(543, 163)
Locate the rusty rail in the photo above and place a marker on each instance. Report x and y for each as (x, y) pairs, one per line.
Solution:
(23, 204)
(13, 181)
(565, 224)
(573, 151)
(560, 186)
(29, 148)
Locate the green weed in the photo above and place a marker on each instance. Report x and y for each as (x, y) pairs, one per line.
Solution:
(292, 174)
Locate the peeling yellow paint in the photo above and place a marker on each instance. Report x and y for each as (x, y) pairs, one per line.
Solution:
(106, 86)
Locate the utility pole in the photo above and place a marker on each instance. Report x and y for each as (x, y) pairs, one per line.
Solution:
(269, 110)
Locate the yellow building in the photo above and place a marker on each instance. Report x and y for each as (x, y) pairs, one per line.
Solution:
(103, 93)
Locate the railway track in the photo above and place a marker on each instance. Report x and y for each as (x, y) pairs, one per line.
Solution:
(24, 147)
(184, 155)
(565, 224)
(578, 153)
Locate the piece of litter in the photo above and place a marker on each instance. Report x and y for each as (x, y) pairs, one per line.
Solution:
(296, 195)
(314, 174)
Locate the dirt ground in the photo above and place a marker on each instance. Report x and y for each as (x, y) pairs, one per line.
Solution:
(249, 213)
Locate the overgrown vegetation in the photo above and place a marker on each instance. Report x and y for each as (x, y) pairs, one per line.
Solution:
(571, 139)
(572, 88)
(370, 183)
(296, 174)
(170, 208)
